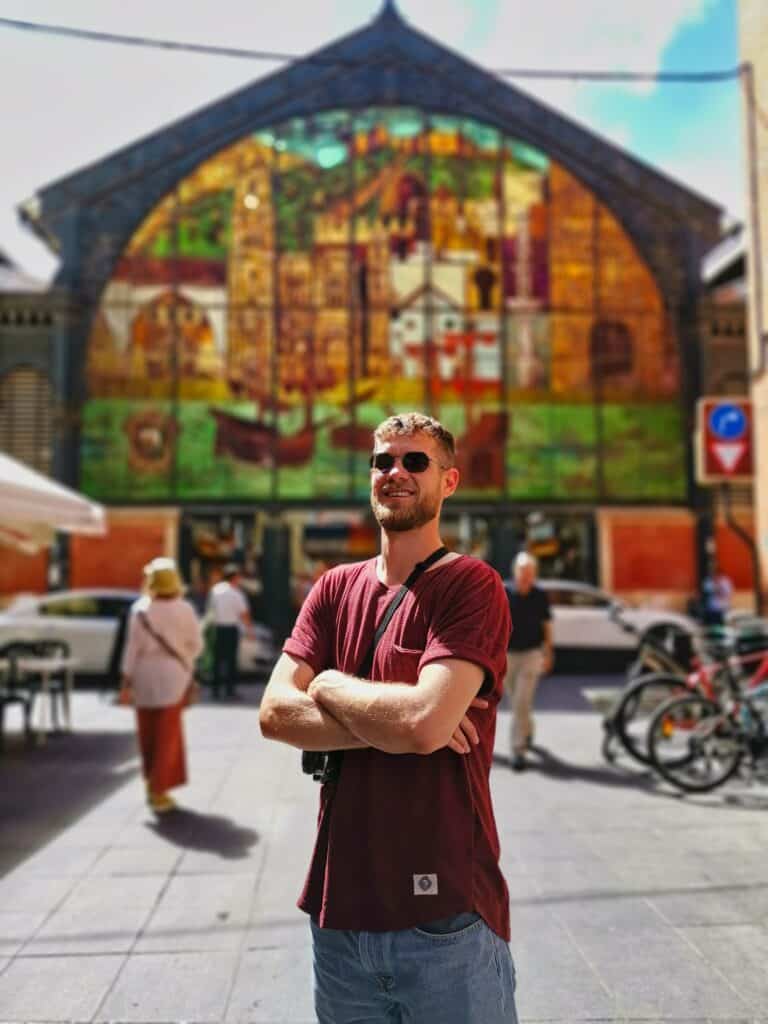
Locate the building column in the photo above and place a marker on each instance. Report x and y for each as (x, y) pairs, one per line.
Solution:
(753, 32)
(276, 577)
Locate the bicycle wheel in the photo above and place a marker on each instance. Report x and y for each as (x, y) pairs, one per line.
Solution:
(694, 743)
(636, 669)
(633, 711)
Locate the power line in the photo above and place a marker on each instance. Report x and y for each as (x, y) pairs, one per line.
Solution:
(690, 77)
(157, 44)
(625, 76)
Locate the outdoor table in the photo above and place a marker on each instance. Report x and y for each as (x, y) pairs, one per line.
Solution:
(45, 668)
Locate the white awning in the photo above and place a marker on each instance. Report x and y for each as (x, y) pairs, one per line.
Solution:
(33, 507)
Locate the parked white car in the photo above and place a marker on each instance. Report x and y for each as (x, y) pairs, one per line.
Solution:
(87, 621)
(584, 616)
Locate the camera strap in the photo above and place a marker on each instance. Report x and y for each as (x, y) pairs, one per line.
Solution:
(367, 663)
(325, 766)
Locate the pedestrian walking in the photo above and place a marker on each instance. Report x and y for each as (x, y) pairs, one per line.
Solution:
(396, 665)
(716, 595)
(164, 639)
(530, 653)
(114, 677)
(229, 612)
(114, 668)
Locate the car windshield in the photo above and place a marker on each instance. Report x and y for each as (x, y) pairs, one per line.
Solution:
(81, 606)
(577, 597)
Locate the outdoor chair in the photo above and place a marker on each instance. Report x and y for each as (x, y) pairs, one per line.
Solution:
(15, 688)
(57, 681)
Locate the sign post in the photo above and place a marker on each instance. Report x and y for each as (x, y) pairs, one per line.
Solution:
(724, 448)
(724, 451)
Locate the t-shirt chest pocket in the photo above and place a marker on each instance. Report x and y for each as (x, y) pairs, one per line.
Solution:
(398, 663)
(402, 645)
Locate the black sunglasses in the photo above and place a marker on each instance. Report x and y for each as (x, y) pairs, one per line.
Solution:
(413, 462)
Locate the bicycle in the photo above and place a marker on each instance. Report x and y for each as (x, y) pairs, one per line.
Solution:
(720, 651)
(698, 743)
(666, 648)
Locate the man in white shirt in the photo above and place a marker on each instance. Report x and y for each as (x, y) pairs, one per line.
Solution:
(228, 609)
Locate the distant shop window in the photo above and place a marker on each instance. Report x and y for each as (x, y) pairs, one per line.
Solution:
(611, 349)
(25, 417)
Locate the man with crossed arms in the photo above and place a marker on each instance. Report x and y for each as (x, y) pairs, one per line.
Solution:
(409, 909)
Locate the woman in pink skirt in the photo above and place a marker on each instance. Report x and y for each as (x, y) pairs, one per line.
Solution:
(164, 639)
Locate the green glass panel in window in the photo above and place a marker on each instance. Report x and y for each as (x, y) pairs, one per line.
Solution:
(527, 156)
(635, 472)
(576, 473)
(531, 471)
(403, 123)
(202, 228)
(573, 425)
(485, 138)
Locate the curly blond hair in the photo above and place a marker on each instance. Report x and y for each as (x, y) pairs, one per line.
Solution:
(406, 424)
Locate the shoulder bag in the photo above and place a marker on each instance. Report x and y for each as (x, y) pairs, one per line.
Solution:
(192, 692)
(325, 765)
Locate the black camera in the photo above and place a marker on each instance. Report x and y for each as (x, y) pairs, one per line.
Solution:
(322, 765)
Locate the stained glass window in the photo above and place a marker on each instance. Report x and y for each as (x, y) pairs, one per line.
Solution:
(309, 280)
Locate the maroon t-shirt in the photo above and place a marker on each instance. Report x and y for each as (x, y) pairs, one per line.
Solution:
(404, 839)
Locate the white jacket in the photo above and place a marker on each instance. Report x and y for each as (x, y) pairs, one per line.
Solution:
(158, 679)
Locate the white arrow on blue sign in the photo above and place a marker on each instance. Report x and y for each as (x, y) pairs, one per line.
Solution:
(728, 421)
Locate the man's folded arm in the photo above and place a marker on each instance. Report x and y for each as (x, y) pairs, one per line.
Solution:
(401, 718)
(290, 715)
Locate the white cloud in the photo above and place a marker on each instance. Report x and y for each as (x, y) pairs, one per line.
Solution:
(574, 35)
(631, 35)
(719, 176)
(65, 103)
(449, 21)
(589, 34)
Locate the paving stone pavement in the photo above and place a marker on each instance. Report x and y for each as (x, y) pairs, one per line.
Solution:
(629, 903)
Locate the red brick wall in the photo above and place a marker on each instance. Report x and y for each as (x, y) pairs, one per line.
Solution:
(117, 559)
(23, 573)
(733, 556)
(650, 555)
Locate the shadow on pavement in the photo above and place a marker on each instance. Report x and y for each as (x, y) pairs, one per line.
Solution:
(563, 693)
(47, 789)
(209, 832)
(747, 799)
(545, 763)
(735, 797)
(553, 898)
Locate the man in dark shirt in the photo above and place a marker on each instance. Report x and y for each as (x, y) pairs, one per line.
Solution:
(530, 651)
(409, 909)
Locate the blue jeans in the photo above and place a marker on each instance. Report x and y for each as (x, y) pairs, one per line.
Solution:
(455, 971)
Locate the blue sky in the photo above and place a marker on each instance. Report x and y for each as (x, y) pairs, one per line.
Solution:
(674, 122)
(65, 103)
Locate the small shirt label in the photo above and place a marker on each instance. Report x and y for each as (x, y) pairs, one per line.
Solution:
(425, 885)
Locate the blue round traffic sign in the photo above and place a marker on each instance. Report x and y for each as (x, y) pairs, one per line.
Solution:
(728, 421)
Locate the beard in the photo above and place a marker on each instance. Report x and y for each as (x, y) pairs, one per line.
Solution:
(399, 520)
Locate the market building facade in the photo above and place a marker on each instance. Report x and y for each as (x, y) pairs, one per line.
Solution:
(382, 226)
(33, 326)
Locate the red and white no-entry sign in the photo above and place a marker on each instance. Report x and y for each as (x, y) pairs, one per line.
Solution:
(724, 446)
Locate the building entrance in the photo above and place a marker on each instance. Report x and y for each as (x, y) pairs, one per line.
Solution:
(282, 554)
(563, 542)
